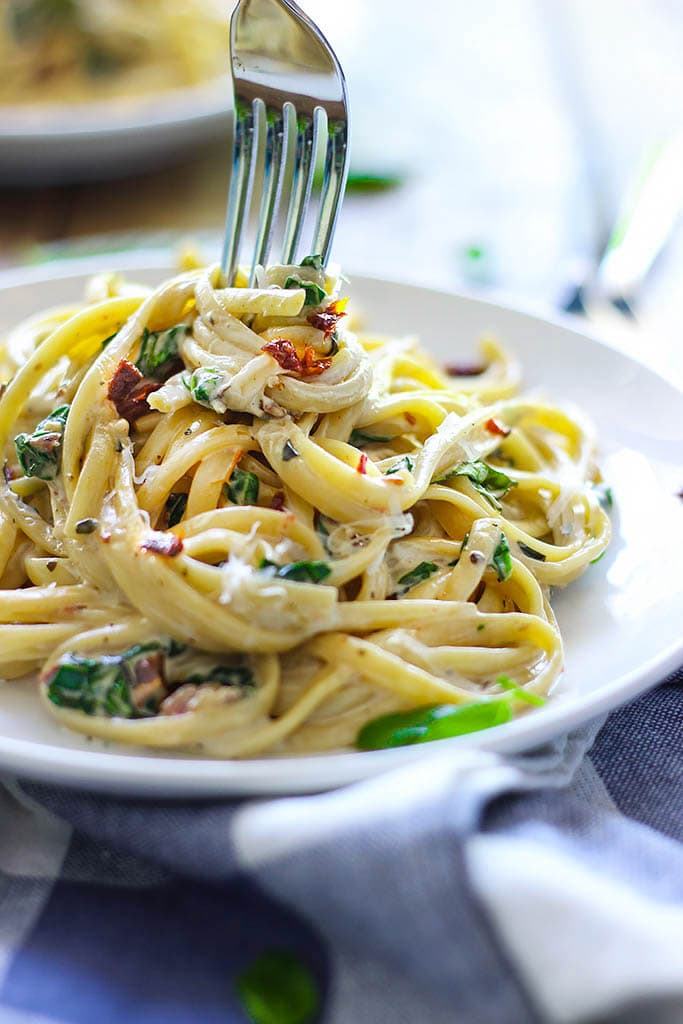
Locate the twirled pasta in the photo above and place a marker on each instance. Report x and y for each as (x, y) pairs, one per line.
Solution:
(229, 524)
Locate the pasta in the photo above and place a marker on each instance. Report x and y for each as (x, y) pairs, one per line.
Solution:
(231, 524)
(65, 51)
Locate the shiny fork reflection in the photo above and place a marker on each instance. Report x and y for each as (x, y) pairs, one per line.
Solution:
(289, 93)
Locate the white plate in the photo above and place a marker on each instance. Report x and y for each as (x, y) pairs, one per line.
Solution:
(77, 142)
(622, 622)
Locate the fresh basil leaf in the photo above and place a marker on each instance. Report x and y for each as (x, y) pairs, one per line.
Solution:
(278, 988)
(502, 562)
(243, 487)
(405, 463)
(530, 552)
(315, 261)
(359, 438)
(159, 350)
(519, 692)
(421, 572)
(605, 497)
(176, 504)
(39, 453)
(491, 483)
(205, 384)
(226, 675)
(299, 572)
(314, 293)
(433, 722)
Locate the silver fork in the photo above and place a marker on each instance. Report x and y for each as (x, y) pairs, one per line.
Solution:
(289, 88)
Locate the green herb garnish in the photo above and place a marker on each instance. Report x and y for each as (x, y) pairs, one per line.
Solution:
(605, 497)
(490, 482)
(405, 463)
(594, 561)
(519, 692)
(242, 488)
(314, 293)
(421, 572)
(205, 384)
(176, 504)
(315, 261)
(435, 722)
(278, 988)
(359, 438)
(298, 572)
(132, 684)
(159, 351)
(502, 562)
(39, 453)
(31, 19)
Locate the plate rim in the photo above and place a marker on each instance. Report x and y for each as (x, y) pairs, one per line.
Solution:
(103, 771)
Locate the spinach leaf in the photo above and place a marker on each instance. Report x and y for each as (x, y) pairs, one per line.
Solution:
(133, 684)
(176, 504)
(299, 572)
(39, 453)
(314, 293)
(434, 722)
(242, 487)
(605, 497)
(277, 988)
(490, 482)
(205, 384)
(405, 463)
(421, 572)
(315, 261)
(502, 561)
(159, 350)
(359, 438)
(520, 693)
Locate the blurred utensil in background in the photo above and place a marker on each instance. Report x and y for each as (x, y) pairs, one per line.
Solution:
(285, 74)
(645, 224)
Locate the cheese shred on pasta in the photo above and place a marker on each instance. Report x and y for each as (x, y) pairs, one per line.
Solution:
(230, 524)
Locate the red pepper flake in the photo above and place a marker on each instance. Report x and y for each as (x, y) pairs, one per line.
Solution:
(410, 418)
(494, 427)
(362, 464)
(278, 501)
(167, 544)
(129, 391)
(284, 353)
(464, 369)
(327, 320)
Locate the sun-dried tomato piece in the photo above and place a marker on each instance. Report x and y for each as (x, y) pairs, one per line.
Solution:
(284, 353)
(129, 391)
(278, 501)
(327, 320)
(495, 427)
(362, 466)
(167, 544)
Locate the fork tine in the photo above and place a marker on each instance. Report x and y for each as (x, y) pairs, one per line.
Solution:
(274, 166)
(245, 153)
(334, 183)
(302, 182)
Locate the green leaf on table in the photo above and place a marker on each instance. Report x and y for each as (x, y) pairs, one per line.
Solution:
(278, 988)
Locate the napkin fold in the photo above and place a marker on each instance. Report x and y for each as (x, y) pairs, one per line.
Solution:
(546, 887)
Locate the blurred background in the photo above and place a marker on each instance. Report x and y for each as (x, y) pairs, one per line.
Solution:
(494, 147)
